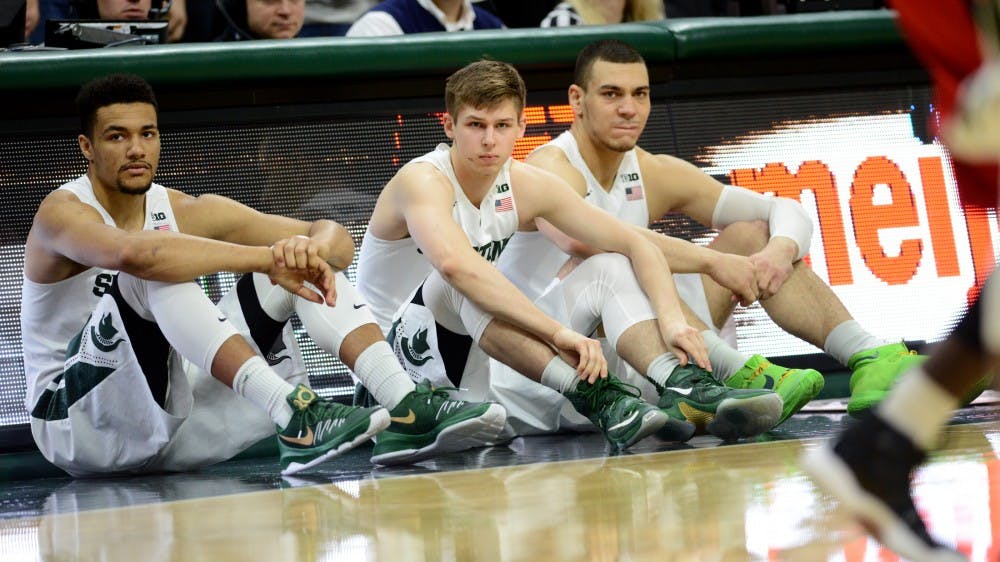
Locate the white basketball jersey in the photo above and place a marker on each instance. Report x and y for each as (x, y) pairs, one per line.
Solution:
(390, 270)
(531, 261)
(53, 313)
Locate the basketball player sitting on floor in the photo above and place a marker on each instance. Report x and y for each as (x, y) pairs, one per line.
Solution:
(756, 256)
(128, 363)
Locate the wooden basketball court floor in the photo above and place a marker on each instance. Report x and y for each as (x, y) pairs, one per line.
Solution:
(564, 497)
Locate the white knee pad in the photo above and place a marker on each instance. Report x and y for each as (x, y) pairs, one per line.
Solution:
(602, 288)
(188, 319)
(328, 326)
(452, 310)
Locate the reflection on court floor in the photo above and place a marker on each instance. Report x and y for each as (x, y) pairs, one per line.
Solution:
(543, 498)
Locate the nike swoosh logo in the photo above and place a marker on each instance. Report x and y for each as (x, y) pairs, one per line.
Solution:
(768, 382)
(357, 306)
(625, 422)
(222, 318)
(409, 418)
(306, 440)
(684, 391)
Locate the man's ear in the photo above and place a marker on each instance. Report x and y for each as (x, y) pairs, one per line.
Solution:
(575, 95)
(86, 147)
(449, 126)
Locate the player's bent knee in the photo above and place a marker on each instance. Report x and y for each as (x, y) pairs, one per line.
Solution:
(743, 238)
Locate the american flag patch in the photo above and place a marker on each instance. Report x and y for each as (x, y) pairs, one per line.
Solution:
(633, 193)
(504, 204)
(162, 227)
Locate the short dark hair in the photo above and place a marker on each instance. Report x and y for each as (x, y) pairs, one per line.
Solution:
(107, 90)
(609, 50)
(484, 84)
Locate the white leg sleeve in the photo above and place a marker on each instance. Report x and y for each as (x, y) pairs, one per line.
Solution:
(327, 326)
(602, 288)
(188, 319)
(452, 310)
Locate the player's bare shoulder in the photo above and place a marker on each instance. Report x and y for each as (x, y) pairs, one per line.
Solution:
(60, 217)
(60, 207)
(554, 160)
(417, 185)
(416, 176)
(654, 164)
(673, 184)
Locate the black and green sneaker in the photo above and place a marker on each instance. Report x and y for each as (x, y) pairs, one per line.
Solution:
(428, 423)
(321, 429)
(623, 417)
(693, 394)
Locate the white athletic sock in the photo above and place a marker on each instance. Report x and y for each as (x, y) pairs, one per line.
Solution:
(918, 407)
(560, 376)
(847, 339)
(379, 371)
(662, 367)
(256, 382)
(724, 359)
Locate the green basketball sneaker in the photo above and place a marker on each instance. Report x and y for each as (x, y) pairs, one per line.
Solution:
(321, 429)
(796, 387)
(694, 395)
(428, 423)
(874, 371)
(616, 409)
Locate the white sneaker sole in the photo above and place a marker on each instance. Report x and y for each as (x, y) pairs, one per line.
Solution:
(476, 432)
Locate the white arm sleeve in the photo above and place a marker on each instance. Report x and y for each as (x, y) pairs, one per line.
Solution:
(785, 217)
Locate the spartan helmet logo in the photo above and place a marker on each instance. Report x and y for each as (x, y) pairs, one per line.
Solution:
(104, 335)
(412, 349)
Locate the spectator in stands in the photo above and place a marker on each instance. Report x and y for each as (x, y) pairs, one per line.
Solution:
(398, 17)
(600, 12)
(261, 19)
(175, 10)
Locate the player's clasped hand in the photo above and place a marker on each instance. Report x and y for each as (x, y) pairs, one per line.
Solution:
(686, 343)
(297, 261)
(737, 273)
(591, 364)
(771, 274)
